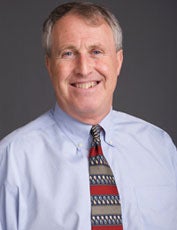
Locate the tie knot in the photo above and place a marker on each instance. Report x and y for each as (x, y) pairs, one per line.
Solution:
(95, 132)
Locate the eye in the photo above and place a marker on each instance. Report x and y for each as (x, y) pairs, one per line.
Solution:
(67, 54)
(96, 52)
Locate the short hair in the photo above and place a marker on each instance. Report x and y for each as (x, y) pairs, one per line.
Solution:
(87, 10)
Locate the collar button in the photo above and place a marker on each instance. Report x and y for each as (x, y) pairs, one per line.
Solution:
(80, 145)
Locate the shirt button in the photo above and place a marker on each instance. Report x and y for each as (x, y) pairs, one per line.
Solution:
(80, 145)
(110, 142)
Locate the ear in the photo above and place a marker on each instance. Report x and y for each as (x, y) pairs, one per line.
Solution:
(48, 65)
(119, 61)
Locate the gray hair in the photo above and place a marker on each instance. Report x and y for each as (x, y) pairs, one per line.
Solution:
(87, 10)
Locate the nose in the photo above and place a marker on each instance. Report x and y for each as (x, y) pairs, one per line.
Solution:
(83, 65)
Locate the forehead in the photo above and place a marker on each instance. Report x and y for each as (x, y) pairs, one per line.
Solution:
(90, 19)
(77, 25)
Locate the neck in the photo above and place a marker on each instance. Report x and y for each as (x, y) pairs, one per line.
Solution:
(88, 118)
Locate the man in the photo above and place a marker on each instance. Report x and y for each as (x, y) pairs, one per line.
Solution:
(44, 166)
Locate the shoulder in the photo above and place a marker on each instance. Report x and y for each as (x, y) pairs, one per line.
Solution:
(132, 124)
(30, 131)
(140, 132)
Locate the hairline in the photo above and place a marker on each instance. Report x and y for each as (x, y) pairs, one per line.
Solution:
(94, 18)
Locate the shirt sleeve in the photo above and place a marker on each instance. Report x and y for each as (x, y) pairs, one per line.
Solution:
(170, 150)
(173, 151)
(8, 196)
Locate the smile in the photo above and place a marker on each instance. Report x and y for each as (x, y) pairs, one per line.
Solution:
(85, 85)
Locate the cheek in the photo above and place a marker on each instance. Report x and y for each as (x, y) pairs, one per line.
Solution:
(110, 72)
(103, 68)
(107, 67)
(60, 74)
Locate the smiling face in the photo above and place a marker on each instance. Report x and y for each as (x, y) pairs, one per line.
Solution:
(83, 67)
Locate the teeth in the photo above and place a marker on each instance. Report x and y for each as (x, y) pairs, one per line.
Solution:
(85, 85)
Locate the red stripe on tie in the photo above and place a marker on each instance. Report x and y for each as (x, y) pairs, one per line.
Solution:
(95, 151)
(107, 227)
(103, 190)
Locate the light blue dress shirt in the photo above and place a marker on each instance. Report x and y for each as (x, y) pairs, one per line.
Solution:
(44, 179)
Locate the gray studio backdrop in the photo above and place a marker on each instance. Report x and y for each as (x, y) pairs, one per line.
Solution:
(147, 86)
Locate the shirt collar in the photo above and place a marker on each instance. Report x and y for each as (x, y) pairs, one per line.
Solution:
(107, 125)
(79, 133)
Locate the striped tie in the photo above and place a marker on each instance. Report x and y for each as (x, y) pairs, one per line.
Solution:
(105, 205)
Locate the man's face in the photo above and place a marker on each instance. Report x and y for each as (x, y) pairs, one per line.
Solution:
(83, 67)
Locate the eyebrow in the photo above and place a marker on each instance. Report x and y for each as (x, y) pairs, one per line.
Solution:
(97, 46)
(74, 48)
(69, 47)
